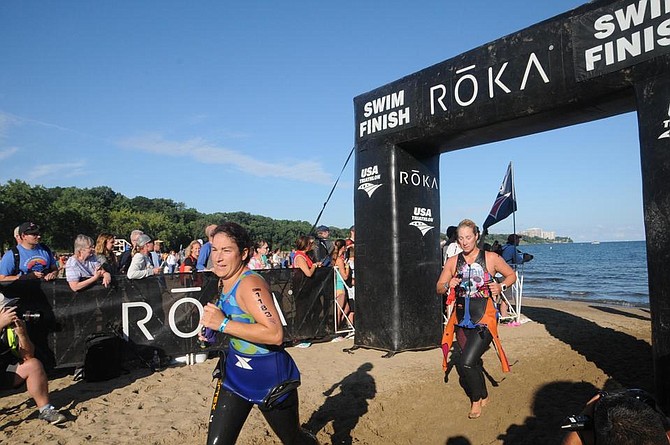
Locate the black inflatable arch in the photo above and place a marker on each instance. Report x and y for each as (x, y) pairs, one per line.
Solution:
(601, 59)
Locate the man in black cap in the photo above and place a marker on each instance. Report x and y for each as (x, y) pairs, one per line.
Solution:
(322, 246)
(30, 258)
(511, 254)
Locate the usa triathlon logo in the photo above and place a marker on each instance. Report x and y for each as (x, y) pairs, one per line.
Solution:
(369, 188)
(421, 219)
(422, 226)
(368, 178)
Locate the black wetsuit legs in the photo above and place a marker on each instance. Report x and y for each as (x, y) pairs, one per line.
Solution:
(473, 343)
(231, 411)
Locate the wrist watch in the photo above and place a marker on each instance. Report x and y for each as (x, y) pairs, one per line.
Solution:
(503, 287)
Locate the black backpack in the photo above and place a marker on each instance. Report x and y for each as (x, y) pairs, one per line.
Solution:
(102, 357)
(17, 256)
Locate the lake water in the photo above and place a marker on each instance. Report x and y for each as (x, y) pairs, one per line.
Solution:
(612, 272)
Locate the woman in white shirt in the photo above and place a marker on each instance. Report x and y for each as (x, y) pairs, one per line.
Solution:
(140, 266)
(83, 268)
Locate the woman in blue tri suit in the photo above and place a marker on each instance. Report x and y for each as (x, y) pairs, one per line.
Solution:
(257, 370)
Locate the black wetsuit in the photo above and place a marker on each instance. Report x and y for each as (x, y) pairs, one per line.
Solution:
(472, 336)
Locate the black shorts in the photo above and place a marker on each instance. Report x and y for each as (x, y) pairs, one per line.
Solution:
(8, 364)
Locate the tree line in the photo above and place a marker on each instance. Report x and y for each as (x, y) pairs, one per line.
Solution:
(65, 212)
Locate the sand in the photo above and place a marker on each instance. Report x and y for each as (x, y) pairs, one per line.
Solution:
(566, 352)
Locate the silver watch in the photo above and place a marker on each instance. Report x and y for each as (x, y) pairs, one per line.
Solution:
(503, 287)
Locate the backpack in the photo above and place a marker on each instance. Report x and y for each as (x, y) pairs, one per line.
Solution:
(102, 357)
(17, 256)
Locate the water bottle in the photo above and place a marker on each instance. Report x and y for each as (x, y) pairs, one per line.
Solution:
(156, 361)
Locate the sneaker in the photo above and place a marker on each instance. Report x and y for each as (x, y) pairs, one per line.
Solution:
(52, 416)
(303, 345)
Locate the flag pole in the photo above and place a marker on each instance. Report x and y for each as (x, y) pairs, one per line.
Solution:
(516, 243)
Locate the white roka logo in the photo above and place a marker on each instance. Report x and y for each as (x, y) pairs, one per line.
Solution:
(367, 178)
(420, 219)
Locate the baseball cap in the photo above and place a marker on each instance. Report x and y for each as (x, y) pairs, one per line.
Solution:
(4, 301)
(322, 229)
(143, 240)
(29, 228)
(511, 238)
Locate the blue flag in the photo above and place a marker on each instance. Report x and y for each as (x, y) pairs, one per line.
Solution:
(505, 203)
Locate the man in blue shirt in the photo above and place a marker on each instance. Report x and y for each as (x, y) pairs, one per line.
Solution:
(511, 254)
(35, 260)
(204, 262)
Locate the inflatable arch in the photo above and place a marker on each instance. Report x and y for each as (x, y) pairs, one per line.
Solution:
(601, 59)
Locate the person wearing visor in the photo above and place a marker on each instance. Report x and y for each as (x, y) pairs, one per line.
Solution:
(140, 266)
(29, 259)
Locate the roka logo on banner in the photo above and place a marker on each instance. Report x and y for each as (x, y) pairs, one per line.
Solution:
(620, 35)
(420, 219)
(415, 178)
(367, 178)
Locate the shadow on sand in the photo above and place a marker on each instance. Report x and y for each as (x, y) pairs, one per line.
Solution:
(619, 355)
(611, 310)
(69, 397)
(346, 407)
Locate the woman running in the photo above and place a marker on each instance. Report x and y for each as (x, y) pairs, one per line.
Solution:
(256, 369)
(474, 320)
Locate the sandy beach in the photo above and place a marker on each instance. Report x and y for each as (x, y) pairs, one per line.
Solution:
(560, 357)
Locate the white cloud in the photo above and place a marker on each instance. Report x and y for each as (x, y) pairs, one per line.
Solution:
(7, 152)
(65, 170)
(206, 153)
(6, 121)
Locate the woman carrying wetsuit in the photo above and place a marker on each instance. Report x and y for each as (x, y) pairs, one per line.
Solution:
(256, 369)
(474, 321)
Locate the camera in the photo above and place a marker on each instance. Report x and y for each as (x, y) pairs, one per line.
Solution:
(577, 422)
(30, 316)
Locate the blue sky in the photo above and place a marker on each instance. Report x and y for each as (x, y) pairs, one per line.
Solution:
(247, 106)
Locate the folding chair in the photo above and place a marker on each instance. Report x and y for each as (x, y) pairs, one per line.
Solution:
(515, 293)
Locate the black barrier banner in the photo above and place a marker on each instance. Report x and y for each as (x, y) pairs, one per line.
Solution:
(620, 35)
(160, 312)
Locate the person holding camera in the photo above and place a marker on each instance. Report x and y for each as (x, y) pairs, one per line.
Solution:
(18, 364)
(627, 417)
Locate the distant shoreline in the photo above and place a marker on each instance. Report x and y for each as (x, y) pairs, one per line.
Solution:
(598, 301)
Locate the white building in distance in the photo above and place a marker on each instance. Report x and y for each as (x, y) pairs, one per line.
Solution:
(537, 232)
